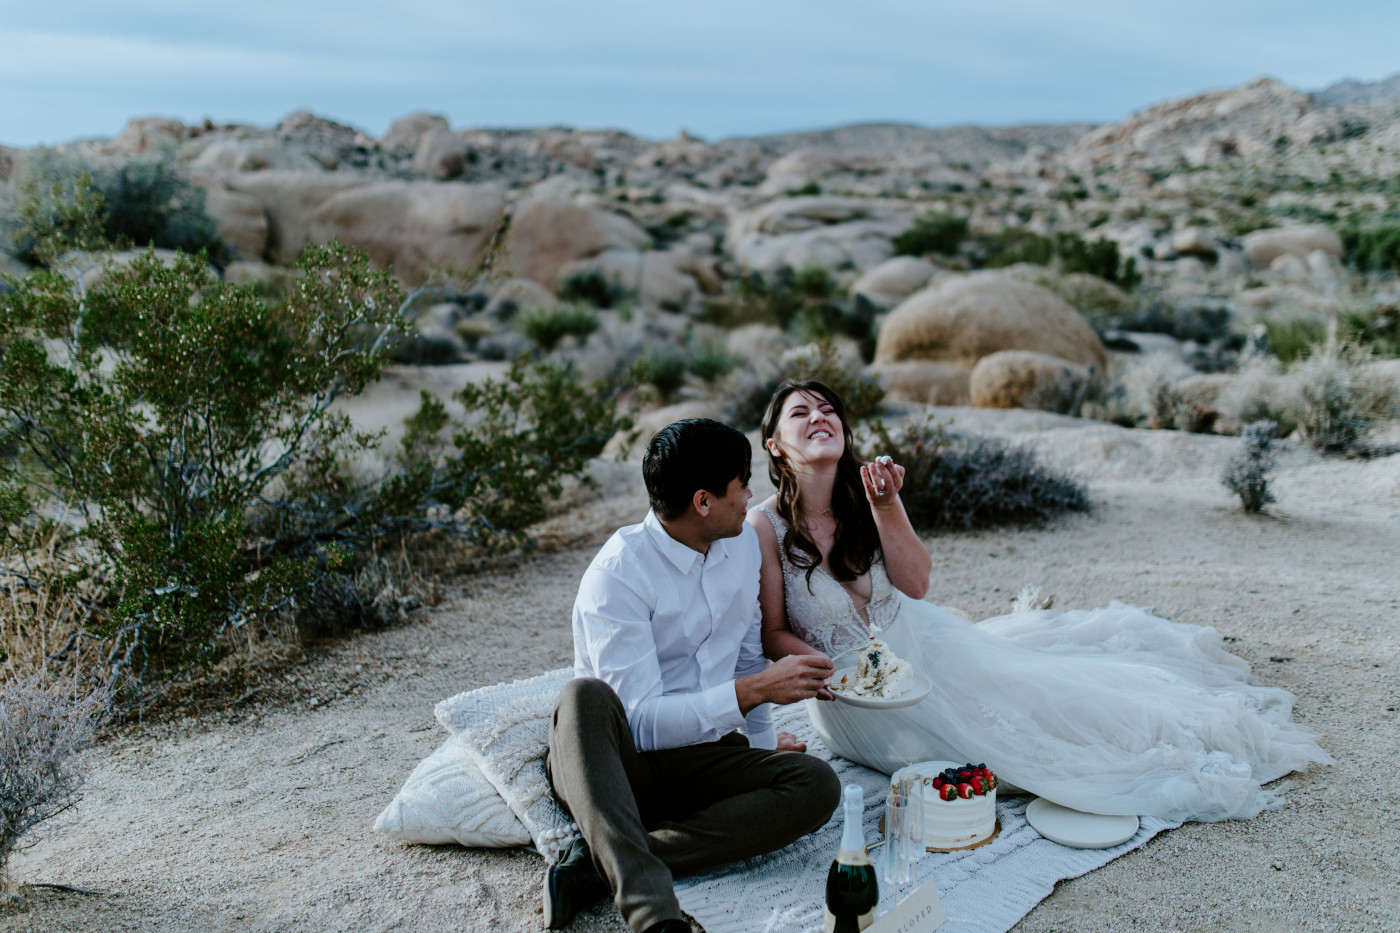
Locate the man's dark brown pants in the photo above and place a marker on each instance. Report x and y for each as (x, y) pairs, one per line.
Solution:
(649, 815)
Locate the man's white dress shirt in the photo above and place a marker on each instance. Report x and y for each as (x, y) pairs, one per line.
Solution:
(670, 630)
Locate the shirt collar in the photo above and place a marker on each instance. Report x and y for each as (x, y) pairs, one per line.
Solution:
(682, 555)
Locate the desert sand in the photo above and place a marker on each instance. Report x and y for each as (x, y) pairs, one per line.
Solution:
(257, 816)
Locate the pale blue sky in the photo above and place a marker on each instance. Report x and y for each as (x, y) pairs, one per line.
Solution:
(75, 68)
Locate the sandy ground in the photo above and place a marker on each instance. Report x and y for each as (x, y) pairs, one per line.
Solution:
(257, 817)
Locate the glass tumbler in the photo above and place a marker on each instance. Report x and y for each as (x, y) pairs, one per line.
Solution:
(904, 831)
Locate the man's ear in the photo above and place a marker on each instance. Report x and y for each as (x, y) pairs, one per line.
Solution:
(700, 499)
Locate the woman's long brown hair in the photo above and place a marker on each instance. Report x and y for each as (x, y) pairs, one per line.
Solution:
(856, 538)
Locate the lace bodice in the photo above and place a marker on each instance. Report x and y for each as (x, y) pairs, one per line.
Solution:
(824, 616)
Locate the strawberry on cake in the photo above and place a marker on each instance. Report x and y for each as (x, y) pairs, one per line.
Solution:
(960, 803)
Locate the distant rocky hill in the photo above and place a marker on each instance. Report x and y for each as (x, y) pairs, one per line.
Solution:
(1361, 92)
(1189, 191)
(973, 146)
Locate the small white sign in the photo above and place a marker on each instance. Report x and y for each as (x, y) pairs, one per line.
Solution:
(920, 912)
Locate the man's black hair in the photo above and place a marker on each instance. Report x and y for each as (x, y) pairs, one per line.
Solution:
(686, 456)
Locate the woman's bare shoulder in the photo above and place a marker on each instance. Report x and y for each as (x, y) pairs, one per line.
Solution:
(761, 523)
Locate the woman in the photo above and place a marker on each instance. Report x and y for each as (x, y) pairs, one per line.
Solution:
(1108, 711)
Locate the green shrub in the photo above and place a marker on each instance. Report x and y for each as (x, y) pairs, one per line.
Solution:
(763, 301)
(711, 360)
(814, 283)
(1292, 339)
(161, 407)
(188, 428)
(932, 233)
(594, 288)
(1373, 249)
(548, 326)
(1377, 330)
(805, 303)
(1016, 245)
(863, 395)
(1099, 257)
(959, 482)
(1066, 248)
(147, 203)
(522, 436)
(1198, 323)
(663, 370)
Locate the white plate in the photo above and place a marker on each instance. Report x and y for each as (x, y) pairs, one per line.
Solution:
(1077, 829)
(917, 687)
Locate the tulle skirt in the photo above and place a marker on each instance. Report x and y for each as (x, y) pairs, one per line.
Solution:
(1110, 711)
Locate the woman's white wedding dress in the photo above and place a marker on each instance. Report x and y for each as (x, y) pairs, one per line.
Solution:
(1109, 710)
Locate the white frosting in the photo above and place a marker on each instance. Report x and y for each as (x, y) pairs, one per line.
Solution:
(879, 673)
(952, 824)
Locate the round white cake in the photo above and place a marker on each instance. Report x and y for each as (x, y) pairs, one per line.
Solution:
(969, 818)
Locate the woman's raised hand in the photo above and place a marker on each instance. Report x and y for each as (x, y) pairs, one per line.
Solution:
(883, 479)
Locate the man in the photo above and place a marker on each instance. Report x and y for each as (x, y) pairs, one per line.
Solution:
(643, 748)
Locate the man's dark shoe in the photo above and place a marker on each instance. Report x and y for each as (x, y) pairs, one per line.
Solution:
(669, 926)
(571, 885)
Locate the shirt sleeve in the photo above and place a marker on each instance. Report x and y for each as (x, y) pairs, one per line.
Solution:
(612, 624)
(759, 722)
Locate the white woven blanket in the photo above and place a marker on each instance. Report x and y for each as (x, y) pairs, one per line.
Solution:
(984, 890)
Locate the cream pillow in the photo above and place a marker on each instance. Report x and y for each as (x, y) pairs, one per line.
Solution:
(447, 799)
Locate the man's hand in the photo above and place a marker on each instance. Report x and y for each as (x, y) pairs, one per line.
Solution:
(795, 677)
(787, 742)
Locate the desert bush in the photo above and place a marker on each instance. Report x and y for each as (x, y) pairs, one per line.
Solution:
(42, 728)
(1376, 329)
(1372, 249)
(1328, 398)
(1068, 250)
(662, 369)
(591, 287)
(1198, 323)
(148, 203)
(806, 303)
(963, 482)
(764, 299)
(1330, 416)
(380, 591)
(1250, 471)
(160, 407)
(1259, 393)
(749, 392)
(1015, 245)
(1289, 339)
(932, 233)
(1099, 257)
(182, 431)
(548, 326)
(710, 359)
(1141, 392)
(488, 477)
(814, 283)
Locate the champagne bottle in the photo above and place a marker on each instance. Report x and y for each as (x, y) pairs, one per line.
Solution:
(851, 889)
